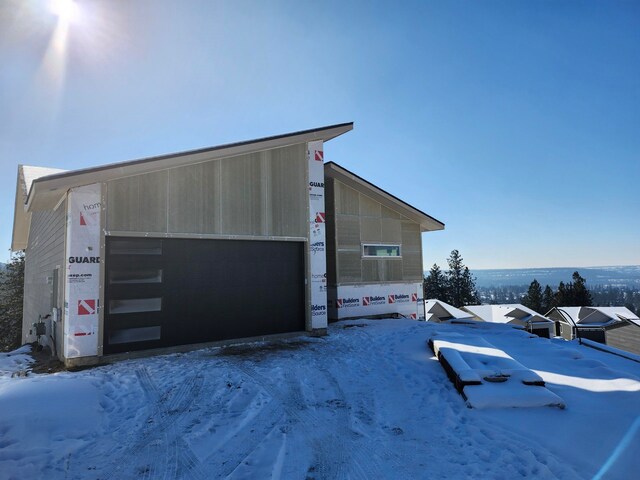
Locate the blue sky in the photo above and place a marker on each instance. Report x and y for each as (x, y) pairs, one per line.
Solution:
(515, 123)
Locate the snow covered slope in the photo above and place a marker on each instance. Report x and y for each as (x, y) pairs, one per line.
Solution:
(368, 401)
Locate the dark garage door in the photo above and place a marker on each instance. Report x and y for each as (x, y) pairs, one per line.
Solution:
(165, 292)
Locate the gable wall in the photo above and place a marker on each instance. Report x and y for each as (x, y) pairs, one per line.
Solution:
(353, 219)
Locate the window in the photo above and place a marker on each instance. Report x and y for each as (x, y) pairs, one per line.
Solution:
(135, 305)
(369, 250)
(151, 275)
(146, 246)
(131, 335)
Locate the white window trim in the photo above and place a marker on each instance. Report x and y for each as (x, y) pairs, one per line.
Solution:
(399, 245)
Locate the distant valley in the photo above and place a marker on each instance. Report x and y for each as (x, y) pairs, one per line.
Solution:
(618, 276)
(622, 276)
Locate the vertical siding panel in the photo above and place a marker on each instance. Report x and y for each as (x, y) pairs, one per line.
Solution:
(288, 191)
(122, 211)
(369, 207)
(259, 194)
(185, 199)
(241, 195)
(152, 202)
(211, 191)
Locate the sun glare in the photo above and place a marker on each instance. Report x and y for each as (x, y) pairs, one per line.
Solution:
(65, 10)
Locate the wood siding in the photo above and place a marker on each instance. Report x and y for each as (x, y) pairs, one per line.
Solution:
(261, 194)
(353, 219)
(45, 252)
(625, 337)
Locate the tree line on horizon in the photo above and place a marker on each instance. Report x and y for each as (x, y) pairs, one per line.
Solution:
(457, 287)
(571, 294)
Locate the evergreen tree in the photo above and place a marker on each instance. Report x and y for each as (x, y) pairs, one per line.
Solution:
(11, 295)
(533, 298)
(470, 295)
(435, 285)
(454, 278)
(460, 283)
(547, 300)
(562, 297)
(581, 296)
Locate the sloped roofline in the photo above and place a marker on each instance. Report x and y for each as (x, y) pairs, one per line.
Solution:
(453, 311)
(426, 221)
(47, 191)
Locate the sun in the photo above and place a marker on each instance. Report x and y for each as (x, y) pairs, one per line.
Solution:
(65, 10)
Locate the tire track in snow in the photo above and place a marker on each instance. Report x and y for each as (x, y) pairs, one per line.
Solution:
(243, 442)
(329, 464)
(372, 454)
(160, 451)
(339, 451)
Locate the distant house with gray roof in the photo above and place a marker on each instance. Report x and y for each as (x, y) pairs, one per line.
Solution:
(617, 327)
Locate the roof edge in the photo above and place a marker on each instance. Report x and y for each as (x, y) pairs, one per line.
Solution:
(348, 126)
(340, 169)
(82, 176)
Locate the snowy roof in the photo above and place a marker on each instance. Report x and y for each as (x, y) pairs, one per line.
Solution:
(437, 310)
(510, 313)
(21, 218)
(29, 174)
(600, 315)
(621, 313)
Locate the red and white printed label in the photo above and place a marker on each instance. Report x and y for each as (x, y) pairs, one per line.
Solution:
(318, 155)
(414, 297)
(366, 301)
(86, 307)
(392, 299)
(339, 303)
(320, 217)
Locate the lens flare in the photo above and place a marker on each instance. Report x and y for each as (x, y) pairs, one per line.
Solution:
(65, 10)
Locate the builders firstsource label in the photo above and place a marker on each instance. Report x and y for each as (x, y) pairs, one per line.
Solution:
(82, 285)
(317, 245)
(363, 300)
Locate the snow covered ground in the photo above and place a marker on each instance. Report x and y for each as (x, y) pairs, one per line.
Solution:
(368, 401)
(17, 361)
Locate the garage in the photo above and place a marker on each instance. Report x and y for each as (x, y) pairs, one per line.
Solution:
(216, 244)
(167, 292)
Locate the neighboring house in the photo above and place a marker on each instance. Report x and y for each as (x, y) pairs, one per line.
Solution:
(214, 244)
(374, 249)
(617, 327)
(515, 314)
(439, 311)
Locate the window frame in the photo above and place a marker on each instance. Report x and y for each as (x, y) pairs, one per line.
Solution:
(392, 245)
